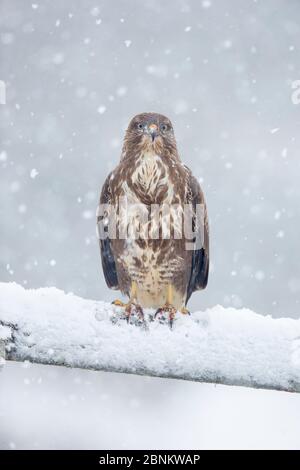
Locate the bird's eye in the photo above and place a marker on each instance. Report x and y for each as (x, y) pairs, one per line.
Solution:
(164, 127)
(140, 126)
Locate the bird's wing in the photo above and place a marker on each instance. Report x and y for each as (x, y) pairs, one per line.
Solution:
(107, 256)
(200, 256)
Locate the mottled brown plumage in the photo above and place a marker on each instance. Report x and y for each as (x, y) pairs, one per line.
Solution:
(162, 271)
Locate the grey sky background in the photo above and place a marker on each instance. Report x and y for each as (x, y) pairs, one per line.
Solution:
(76, 72)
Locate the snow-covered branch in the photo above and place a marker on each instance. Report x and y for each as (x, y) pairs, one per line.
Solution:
(220, 345)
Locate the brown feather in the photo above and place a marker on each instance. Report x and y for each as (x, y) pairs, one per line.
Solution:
(150, 172)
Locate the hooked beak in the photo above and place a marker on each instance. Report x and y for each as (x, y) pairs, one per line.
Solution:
(153, 130)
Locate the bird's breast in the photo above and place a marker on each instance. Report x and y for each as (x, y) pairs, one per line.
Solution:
(151, 179)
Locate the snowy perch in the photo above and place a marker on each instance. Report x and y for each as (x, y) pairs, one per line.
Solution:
(220, 345)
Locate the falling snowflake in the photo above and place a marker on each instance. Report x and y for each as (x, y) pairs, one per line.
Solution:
(259, 275)
(101, 109)
(121, 91)
(3, 156)
(206, 4)
(33, 173)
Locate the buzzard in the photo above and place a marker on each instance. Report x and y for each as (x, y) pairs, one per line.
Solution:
(163, 270)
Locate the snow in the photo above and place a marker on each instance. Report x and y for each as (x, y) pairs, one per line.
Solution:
(33, 173)
(230, 90)
(226, 345)
(3, 156)
(101, 109)
(100, 410)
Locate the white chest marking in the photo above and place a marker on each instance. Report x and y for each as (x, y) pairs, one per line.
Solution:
(150, 174)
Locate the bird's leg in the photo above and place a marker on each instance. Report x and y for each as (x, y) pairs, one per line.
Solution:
(133, 295)
(131, 306)
(168, 307)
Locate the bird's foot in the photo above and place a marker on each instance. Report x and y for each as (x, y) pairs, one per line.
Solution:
(185, 311)
(119, 303)
(132, 313)
(132, 308)
(166, 312)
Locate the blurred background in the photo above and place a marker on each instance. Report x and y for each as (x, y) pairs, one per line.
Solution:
(53, 407)
(222, 71)
(76, 73)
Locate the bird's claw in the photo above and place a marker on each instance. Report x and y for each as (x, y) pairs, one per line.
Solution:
(133, 308)
(185, 311)
(133, 313)
(169, 310)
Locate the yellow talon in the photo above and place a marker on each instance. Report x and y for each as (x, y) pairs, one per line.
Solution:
(185, 311)
(119, 303)
(131, 307)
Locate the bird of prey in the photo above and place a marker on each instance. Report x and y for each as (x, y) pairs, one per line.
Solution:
(158, 271)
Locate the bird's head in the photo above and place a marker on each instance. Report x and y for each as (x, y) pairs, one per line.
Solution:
(151, 132)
